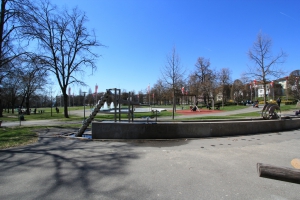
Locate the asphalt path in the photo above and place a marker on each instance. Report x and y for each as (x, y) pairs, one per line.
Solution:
(59, 167)
(211, 168)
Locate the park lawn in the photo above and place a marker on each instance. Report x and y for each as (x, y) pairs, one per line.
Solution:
(9, 117)
(247, 115)
(39, 116)
(17, 136)
(288, 107)
(186, 107)
(60, 116)
(22, 135)
(136, 115)
(150, 114)
(236, 116)
(207, 118)
(232, 108)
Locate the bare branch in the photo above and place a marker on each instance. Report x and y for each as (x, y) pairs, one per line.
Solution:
(265, 65)
(64, 42)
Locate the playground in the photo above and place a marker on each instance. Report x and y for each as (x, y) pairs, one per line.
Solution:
(151, 129)
(198, 112)
(164, 159)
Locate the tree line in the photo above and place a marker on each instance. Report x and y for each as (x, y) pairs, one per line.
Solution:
(38, 39)
(206, 83)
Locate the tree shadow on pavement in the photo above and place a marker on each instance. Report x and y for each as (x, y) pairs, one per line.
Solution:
(64, 168)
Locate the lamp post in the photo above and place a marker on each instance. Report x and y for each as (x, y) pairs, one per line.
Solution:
(1, 101)
(51, 99)
(84, 105)
(254, 82)
(296, 86)
(286, 88)
(250, 86)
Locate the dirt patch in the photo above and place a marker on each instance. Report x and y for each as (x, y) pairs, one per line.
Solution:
(202, 111)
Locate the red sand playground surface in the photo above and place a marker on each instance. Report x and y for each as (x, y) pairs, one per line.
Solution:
(202, 111)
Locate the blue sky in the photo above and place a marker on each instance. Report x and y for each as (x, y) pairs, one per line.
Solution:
(139, 34)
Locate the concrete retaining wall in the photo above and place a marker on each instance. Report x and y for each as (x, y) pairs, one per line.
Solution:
(170, 130)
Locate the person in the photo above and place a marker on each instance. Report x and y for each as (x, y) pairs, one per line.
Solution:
(255, 104)
(297, 112)
(278, 101)
(193, 108)
(208, 106)
(57, 110)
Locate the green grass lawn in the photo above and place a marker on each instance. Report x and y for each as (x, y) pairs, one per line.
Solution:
(288, 107)
(237, 116)
(22, 135)
(247, 115)
(60, 116)
(17, 136)
(102, 116)
(38, 116)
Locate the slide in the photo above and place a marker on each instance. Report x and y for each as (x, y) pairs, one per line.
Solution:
(88, 121)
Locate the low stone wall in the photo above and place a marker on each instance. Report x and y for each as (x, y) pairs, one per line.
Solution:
(171, 130)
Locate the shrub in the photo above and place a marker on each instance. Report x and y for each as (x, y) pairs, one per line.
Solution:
(288, 102)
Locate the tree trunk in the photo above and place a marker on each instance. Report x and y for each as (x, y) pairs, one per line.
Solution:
(27, 105)
(66, 114)
(13, 103)
(278, 173)
(2, 21)
(174, 105)
(265, 93)
(222, 99)
(1, 109)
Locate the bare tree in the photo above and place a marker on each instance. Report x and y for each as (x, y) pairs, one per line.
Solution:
(10, 47)
(173, 74)
(158, 90)
(237, 91)
(205, 78)
(140, 97)
(33, 78)
(65, 44)
(90, 97)
(293, 84)
(11, 83)
(193, 84)
(224, 80)
(265, 65)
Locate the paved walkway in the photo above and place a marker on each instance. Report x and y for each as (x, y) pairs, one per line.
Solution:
(206, 168)
(211, 168)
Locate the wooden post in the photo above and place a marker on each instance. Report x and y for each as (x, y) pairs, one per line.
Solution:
(278, 173)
